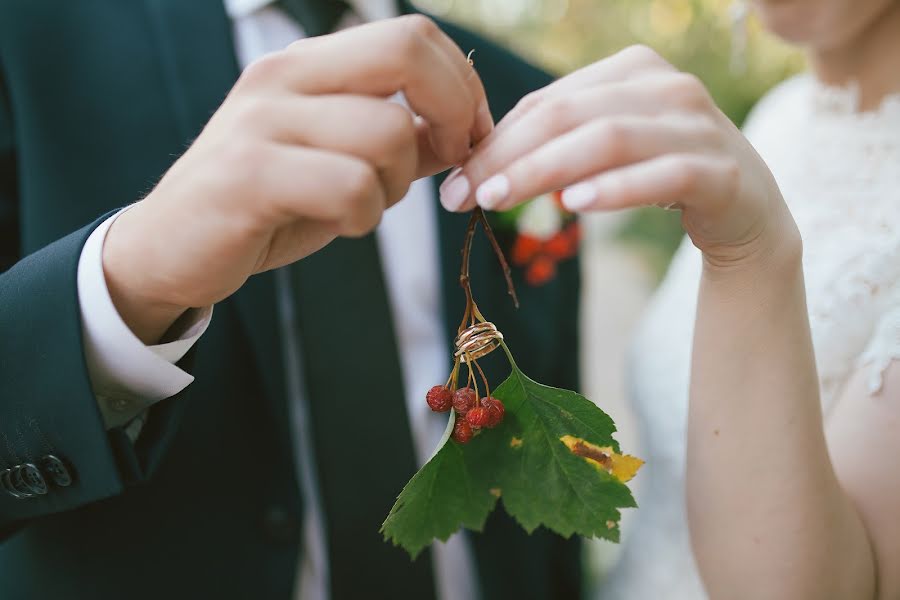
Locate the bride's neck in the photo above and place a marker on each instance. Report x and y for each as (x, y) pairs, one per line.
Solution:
(869, 60)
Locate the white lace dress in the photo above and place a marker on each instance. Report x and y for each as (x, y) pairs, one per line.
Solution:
(839, 171)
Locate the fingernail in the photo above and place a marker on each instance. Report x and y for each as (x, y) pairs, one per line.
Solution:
(492, 192)
(579, 196)
(454, 190)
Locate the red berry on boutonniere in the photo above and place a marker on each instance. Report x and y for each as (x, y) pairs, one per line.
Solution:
(547, 235)
(525, 248)
(540, 271)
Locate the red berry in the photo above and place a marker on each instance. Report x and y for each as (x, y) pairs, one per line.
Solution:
(462, 431)
(524, 249)
(540, 271)
(479, 417)
(464, 400)
(495, 409)
(561, 246)
(439, 398)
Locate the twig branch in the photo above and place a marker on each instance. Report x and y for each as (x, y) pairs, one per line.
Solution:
(507, 272)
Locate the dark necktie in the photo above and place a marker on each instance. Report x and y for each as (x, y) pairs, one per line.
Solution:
(318, 17)
(360, 426)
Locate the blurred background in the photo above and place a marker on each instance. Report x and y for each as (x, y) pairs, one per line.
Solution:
(625, 255)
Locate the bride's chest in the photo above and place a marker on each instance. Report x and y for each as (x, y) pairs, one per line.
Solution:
(850, 250)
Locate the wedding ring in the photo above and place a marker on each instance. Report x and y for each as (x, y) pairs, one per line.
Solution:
(476, 341)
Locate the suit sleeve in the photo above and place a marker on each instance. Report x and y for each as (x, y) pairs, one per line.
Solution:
(49, 418)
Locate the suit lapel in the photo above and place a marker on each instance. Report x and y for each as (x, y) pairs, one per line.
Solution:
(197, 57)
(198, 61)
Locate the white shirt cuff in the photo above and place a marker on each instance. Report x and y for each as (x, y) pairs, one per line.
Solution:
(128, 376)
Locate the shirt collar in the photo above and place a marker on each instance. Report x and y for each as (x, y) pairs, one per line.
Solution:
(368, 10)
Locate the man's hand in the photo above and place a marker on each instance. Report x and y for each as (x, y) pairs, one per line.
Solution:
(306, 147)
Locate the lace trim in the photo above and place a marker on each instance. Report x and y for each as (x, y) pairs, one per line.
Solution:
(843, 100)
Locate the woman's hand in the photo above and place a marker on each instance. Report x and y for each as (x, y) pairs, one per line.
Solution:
(627, 131)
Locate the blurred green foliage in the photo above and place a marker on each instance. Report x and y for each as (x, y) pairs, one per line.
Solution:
(694, 35)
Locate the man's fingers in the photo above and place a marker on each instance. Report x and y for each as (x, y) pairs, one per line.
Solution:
(408, 54)
(429, 163)
(690, 181)
(336, 123)
(468, 76)
(310, 183)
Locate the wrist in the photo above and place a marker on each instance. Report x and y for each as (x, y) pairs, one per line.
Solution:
(775, 252)
(127, 272)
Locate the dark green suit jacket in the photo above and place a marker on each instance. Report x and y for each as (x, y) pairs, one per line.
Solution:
(97, 99)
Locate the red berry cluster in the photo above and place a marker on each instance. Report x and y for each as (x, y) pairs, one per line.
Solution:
(476, 338)
(472, 414)
(540, 256)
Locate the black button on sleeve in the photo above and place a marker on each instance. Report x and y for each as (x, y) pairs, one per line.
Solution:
(33, 480)
(56, 470)
(18, 483)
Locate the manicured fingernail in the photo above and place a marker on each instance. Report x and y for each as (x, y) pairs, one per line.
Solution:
(455, 190)
(579, 196)
(492, 192)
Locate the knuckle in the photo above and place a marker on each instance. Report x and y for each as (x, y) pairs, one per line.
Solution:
(242, 162)
(613, 138)
(360, 182)
(267, 68)
(557, 112)
(414, 31)
(421, 25)
(398, 122)
(688, 176)
(251, 112)
(731, 172)
(643, 55)
(707, 128)
(529, 102)
(688, 91)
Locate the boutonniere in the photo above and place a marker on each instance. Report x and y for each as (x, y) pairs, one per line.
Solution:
(544, 234)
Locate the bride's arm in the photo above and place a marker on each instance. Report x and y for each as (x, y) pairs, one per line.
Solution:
(771, 515)
(768, 516)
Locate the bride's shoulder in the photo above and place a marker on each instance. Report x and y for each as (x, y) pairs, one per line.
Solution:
(780, 104)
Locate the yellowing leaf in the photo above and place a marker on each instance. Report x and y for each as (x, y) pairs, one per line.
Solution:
(621, 466)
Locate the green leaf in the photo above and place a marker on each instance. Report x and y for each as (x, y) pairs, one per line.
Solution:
(569, 488)
(442, 497)
(542, 482)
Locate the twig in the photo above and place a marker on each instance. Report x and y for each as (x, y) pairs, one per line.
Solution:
(507, 272)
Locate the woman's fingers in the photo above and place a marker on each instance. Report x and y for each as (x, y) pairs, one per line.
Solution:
(556, 117)
(669, 181)
(630, 63)
(597, 146)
